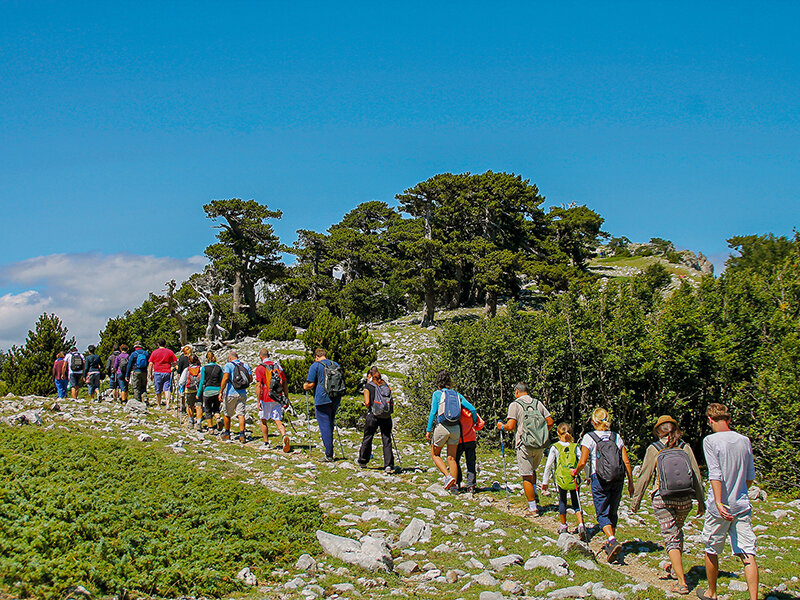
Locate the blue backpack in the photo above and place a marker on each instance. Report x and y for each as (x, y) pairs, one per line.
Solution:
(449, 408)
(141, 359)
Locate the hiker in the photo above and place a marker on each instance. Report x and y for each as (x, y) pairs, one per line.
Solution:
(678, 479)
(271, 391)
(208, 390)
(562, 458)
(92, 372)
(532, 422)
(75, 363)
(446, 405)
(120, 369)
(113, 381)
(467, 447)
(731, 470)
(180, 366)
(609, 466)
(326, 378)
(60, 375)
(136, 373)
(159, 371)
(379, 403)
(236, 377)
(189, 381)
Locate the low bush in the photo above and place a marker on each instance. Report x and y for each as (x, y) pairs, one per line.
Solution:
(127, 521)
(278, 329)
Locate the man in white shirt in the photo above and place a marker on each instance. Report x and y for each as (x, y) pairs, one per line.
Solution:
(731, 470)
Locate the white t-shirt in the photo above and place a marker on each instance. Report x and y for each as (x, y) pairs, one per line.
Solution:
(729, 458)
(589, 443)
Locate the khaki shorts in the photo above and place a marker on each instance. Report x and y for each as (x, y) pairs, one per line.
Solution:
(446, 435)
(528, 460)
(740, 531)
(234, 406)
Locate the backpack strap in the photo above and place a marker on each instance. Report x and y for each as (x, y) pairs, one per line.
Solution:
(595, 437)
(658, 445)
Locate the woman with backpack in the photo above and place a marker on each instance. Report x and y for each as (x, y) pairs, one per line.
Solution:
(208, 389)
(609, 467)
(379, 403)
(677, 479)
(190, 382)
(564, 456)
(446, 405)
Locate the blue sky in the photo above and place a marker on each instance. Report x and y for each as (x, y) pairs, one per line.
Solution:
(677, 120)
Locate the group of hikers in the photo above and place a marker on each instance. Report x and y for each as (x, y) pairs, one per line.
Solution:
(212, 389)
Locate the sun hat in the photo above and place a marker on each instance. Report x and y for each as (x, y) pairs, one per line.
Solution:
(664, 419)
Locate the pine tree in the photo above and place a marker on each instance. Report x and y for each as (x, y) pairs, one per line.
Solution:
(28, 369)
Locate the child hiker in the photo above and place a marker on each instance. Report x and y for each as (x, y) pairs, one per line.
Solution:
(467, 446)
(564, 456)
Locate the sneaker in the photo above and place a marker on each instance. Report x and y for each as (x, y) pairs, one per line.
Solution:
(472, 490)
(582, 533)
(389, 470)
(287, 447)
(612, 549)
(563, 529)
(361, 465)
(449, 482)
(242, 438)
(328, 459)
(225, 436)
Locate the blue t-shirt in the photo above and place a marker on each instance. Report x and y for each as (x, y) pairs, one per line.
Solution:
(316, 375)
(436, 398)
(230, 391)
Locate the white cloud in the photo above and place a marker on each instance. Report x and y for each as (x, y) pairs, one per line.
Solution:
(85, 290)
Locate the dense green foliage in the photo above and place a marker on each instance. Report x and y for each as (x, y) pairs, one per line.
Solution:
(346, 343)
(124, 520)
(630, 348)
(278, 329)
(28, 369)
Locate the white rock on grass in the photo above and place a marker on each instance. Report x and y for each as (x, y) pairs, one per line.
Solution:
(370, 553)
(134, 406)
(407, 567)
(144, 437)
(501, 562)
(543, 585)
(555, 564)
(485, 579)
(587, 564)
(485, 595)
(417, 531)
(572, 543)
(602, 593)
(306, 563)
(575, 591)
(343, 587)
(247, 576)
(737, 586)
(512, 587)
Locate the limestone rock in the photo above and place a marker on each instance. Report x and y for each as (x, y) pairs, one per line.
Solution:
(501, 562)
(572, 543)
(555, 564)
(486, 595)
(512, 587)
(737, 586)
(417, 531)
(144, 437)
(370, 553)
(486, 579)
(247, 576)
(574, 591)
(587, 564)
(543, 585)
(306, 563)
(134, 406)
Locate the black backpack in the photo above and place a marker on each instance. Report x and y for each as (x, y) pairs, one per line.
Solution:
(608, 461)
(275, 384)
(674, 470)
(241, 376)
(213, 376)
(76, 362)
(334, 379)
(123, 366)
(110, 363)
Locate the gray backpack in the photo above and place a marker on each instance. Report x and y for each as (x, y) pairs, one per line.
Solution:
(674, 470)
(608, 458)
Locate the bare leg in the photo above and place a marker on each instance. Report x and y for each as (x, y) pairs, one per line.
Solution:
(264, 432)
(676, 558)
(436, 455)
(529, 485)
(281, 428)
(241, 424)
(712, 572)
(452, 449)
(750, 574)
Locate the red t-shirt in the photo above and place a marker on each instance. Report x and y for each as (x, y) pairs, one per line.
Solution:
(468, 428)
(261, 377)
(162, 360)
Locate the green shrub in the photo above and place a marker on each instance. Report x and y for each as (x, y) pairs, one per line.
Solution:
(296, 370)
(351, 412)
(124, 520)
(301, 314)
(278, 329)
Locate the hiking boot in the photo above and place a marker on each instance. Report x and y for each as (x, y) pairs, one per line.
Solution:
(287, 447)
(242, 438)
(328, 459)
(612, 549)
(225, 436)
(389, 470)
(581, 531)
(449, 482)
(563, 529)
(472, 490)
(362, 465)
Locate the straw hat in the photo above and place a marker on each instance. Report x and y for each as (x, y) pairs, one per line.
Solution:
(664, 419)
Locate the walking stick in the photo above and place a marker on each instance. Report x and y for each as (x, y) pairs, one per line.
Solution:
(178, 400)
(397, 452)
(505, 477)
(339, 436)
(286, 414)
(308, 423)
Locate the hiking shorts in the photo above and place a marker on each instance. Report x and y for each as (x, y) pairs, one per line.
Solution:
(93, 381)
(123, 385)
(528, 460)
(191, 399)
(740, 531)
(446, 435)
(210, 405)
(235, 406)
(162, 382)
(75, 380)
(113, 384)
(270, 410)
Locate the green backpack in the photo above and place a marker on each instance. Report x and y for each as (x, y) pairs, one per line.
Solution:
(534, 432)
(566, 461)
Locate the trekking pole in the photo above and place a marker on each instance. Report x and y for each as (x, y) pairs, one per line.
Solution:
(397, 452)
(286, 414)
(505, 477)
(178, 399)
(308, 424)
(339, 436)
